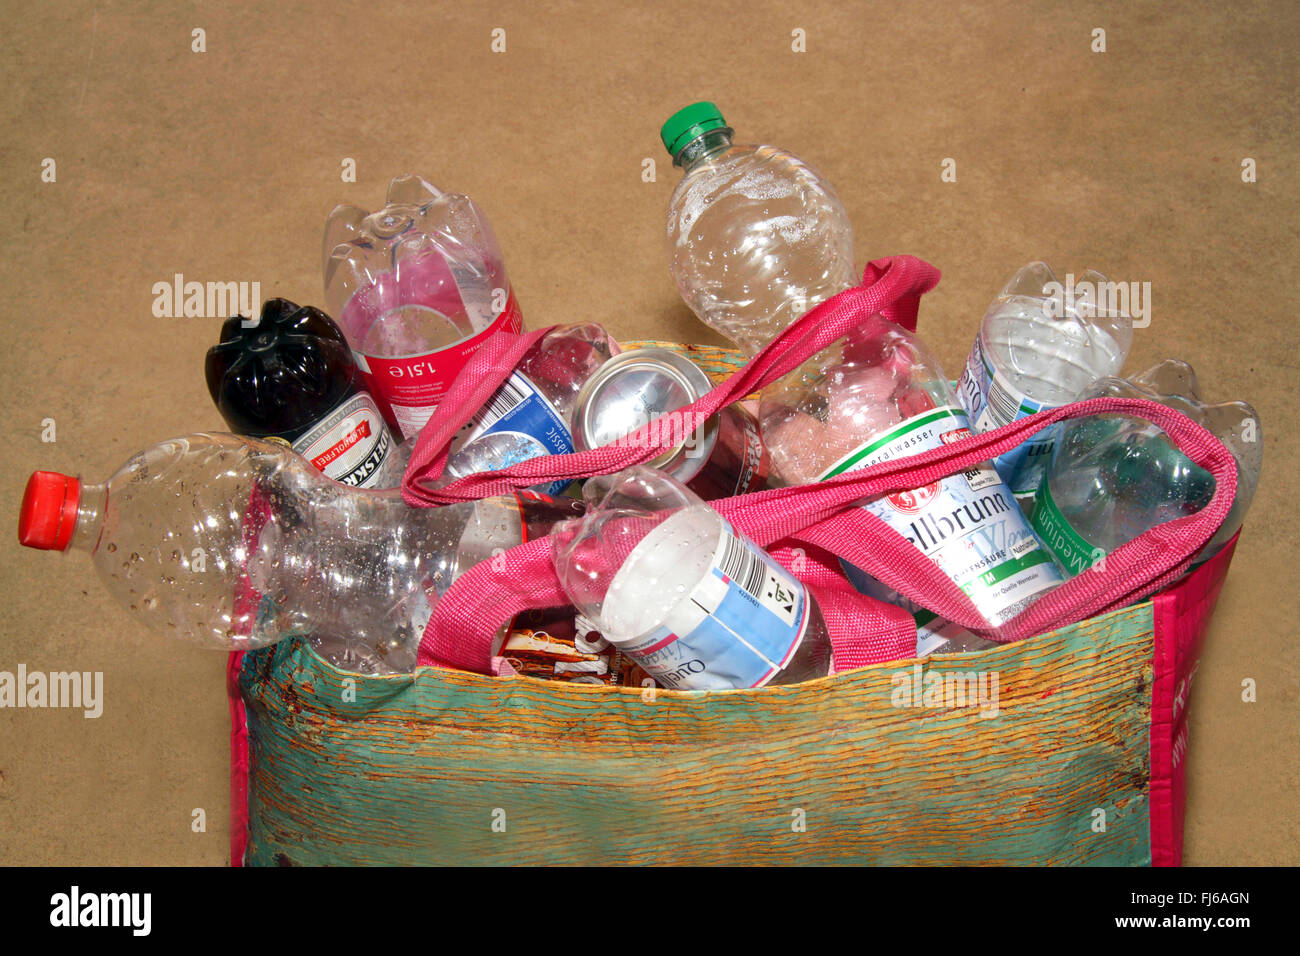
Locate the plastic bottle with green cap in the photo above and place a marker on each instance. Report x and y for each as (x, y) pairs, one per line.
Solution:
(757, 237)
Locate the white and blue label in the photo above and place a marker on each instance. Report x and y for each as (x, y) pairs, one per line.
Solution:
(516, 424)
(741, 625)
(992, 402)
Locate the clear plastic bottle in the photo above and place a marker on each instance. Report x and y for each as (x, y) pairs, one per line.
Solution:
(235, 543)
(531, 414)
(417, 287)
(1039, 346)
(757, 237)
(671, 584)
(1113, 477)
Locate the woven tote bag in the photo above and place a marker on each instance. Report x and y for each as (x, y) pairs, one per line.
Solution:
(1063, 745)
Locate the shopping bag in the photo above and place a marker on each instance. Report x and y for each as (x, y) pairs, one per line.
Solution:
(1063, 745)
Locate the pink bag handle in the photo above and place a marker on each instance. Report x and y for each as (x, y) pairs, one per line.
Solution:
(891, 289)
(817, 517)
(1131, 572)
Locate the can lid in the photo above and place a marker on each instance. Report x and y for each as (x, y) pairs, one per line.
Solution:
(689, 123)
(49, 511)
(636, 387)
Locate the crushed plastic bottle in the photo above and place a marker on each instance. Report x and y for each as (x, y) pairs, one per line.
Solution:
(672, 585)
(417, 288)
(1113, 477)
(234, 543)
(288, 376)
(1038, 349)
(756, 236)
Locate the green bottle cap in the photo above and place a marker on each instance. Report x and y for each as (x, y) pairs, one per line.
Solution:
(688, 123)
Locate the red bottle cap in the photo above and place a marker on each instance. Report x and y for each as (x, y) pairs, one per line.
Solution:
(49, 511)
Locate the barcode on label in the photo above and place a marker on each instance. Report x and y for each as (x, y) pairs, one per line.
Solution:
(506, 399)
(744, 567)
(1002, 405)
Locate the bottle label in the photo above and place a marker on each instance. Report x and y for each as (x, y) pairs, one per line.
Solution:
(408, 389)
(992, 402)
(933, 633)
(742, 624)
(351, 444)
(968, 524)
(523, 424)
(1071, 551)
(755, 462)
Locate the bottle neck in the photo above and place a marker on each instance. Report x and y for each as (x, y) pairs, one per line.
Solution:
(703, 148)
(92, 504)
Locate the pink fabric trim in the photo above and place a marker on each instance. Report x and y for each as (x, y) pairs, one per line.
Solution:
(1181, 617)
(238, 762)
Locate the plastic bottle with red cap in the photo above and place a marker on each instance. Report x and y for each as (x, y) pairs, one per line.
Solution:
(235, 543)
(49, 511)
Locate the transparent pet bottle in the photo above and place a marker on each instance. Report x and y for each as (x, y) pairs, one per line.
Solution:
(669, 583)
(1040, 345)
(417, 287)
(756, 236)
(1113, 477)
(234, 543)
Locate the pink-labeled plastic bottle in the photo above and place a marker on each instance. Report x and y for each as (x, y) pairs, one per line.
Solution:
(417, 287)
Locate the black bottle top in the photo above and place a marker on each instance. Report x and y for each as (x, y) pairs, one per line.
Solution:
(279, 376)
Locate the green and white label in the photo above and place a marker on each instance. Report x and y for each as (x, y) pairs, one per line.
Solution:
(1074, 554)
(968, 524)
